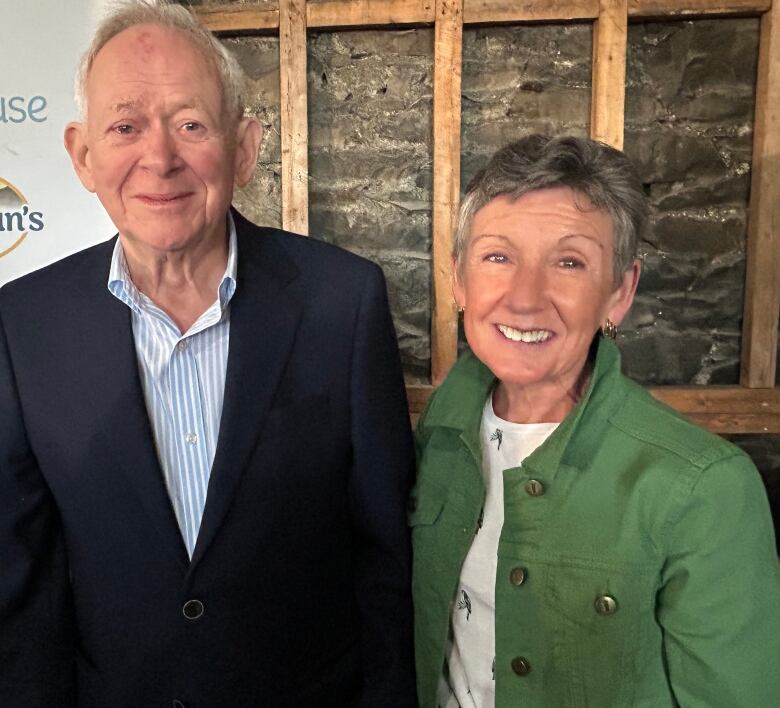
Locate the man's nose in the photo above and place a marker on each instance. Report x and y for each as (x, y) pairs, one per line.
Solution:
(160, 151)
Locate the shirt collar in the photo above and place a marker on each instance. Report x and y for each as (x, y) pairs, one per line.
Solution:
(458, 404)
(121, 286)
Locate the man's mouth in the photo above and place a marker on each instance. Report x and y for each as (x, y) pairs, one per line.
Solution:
(528, 336)
(162, 199)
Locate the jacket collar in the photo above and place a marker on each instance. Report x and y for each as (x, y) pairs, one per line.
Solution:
(458, 402)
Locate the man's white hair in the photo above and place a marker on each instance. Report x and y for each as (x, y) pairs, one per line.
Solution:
(123, 14)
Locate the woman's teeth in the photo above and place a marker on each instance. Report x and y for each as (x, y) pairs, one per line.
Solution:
(525, 335)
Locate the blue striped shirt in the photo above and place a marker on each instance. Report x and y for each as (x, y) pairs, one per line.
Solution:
(183, 379)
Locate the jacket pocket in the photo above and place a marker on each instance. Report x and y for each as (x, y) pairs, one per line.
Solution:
(596, 612)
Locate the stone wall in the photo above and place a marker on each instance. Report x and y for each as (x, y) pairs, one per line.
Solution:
(689, 114)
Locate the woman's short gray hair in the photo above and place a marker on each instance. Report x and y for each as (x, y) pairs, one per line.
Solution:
(124, 14)
(595, 170)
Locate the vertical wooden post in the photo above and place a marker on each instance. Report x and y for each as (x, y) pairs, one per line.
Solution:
(608, 101)
(294, 115)
(448, 51)
(762, 285)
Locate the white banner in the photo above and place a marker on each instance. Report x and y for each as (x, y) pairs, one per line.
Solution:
(45, 213)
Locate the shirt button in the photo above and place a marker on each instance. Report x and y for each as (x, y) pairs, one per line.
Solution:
(534, 488)
(183, 345)
(517, 576)
(605, 605)
(191, 438)
(192, 609)
(521, 666)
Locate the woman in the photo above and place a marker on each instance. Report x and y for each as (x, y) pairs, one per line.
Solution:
(576, 542)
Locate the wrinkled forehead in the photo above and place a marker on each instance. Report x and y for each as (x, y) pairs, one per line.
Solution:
(152, 56)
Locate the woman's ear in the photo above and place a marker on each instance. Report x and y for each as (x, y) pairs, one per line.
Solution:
(620, 300)
(77, 146)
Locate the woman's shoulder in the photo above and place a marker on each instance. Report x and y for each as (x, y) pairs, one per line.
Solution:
(652, 422)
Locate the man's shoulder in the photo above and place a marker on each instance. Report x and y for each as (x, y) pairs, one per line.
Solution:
(65, 270)
(310, 254)
(56, 282)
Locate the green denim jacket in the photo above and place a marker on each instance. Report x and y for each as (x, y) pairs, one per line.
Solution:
(650, 576)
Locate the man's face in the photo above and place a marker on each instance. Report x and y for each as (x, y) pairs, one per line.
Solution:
(157, 147)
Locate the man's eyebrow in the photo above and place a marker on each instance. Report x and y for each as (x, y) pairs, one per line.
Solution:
(125, 106)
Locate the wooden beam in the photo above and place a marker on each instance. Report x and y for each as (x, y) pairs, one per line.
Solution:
(349, 13)
(762, 283)
(447, 62)
(608, 98)
(294, 116)
(684, 9)
(490, 11)
(386, 13)
(237, 18)
(721, 409)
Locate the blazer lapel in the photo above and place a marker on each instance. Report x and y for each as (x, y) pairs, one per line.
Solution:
(113, 386)
(263, 322)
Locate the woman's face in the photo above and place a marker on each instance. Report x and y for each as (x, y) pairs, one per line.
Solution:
(536, 283)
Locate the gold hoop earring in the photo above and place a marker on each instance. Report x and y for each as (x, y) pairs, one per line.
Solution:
(609, 329)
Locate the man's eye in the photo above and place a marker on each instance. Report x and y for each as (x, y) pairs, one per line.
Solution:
(191, 126)
(571, 263)
(123, 129)
(496, 258)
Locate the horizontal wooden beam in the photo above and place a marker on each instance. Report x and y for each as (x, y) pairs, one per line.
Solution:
(384, 13)
(495, 11)
(348, 13)
(721, 409)
(685, 9)
(238, 18)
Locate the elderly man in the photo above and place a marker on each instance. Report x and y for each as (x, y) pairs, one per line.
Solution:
(204, 447)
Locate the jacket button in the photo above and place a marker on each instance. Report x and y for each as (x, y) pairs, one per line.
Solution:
(178, 704)
(517, 576)
(192, 609)
(534, 488)
(606, 605)
(521, 666)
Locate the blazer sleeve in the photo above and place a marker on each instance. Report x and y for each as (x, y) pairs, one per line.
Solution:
(719, 604)
(381, 477)
(36, 655)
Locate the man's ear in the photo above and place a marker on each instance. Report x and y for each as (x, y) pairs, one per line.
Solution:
(623, 296)
(76, 145)
(248, 136)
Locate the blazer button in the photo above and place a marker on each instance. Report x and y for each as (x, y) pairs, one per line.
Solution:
(517, 576)
(534, 488)
(521, 666)
(605, 605)
(192, 609)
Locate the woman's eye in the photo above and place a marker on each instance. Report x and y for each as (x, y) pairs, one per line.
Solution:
(496, 258)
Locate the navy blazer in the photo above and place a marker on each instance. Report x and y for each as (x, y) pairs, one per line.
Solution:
(302, 563)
